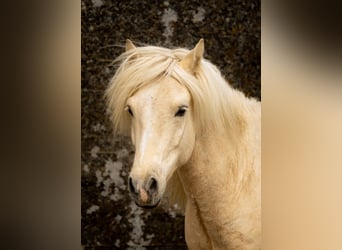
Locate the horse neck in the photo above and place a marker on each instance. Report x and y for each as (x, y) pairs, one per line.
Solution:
(222, 182)
(220, 168)
(209, 167)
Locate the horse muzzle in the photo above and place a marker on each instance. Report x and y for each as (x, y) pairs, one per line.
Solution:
(146, 194)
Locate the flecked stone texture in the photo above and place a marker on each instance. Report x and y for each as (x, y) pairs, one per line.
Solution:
(231, 30)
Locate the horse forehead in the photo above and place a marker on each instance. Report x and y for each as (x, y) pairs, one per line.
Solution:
(163, 92)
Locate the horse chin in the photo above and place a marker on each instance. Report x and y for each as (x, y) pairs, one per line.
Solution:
(149, 206)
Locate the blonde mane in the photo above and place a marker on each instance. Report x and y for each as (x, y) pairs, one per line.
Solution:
(214, 101)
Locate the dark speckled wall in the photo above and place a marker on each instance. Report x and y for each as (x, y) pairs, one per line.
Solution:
(231, 30)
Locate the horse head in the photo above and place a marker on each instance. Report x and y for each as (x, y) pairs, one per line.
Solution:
(162, 131)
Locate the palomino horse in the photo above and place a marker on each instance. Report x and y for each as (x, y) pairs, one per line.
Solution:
(196, 139)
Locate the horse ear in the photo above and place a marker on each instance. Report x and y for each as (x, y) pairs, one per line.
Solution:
(129, 45)
(191, 61)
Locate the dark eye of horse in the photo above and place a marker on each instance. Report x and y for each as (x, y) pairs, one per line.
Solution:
(181, 111)
(130, 111)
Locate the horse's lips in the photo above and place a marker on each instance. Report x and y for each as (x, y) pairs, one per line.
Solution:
(147, 206)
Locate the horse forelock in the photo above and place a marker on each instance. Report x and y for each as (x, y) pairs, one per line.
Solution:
(213, 99)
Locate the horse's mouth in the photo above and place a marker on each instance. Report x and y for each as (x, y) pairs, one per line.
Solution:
(147, 205)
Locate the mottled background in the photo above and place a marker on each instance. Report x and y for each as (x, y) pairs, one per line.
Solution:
(231, 30)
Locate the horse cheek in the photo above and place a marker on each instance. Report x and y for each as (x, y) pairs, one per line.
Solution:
(187, 146)
(132, 135)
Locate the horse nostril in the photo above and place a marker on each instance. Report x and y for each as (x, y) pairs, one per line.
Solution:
(131, 186)
(153, 185)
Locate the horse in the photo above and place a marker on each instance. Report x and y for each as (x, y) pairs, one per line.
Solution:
(196, 139)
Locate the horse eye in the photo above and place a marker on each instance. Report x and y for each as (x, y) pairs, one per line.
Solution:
(129, 110)
(181, 112)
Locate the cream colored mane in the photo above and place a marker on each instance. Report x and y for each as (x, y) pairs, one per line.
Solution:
(215, 102)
